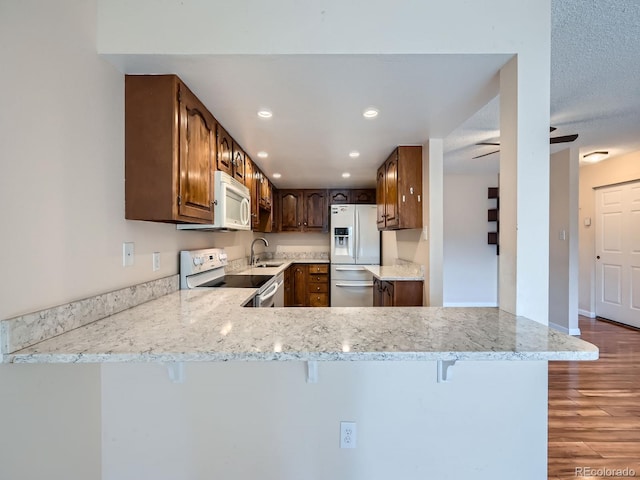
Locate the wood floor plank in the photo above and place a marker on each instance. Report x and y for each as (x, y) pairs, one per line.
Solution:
(616, 449)
(594, 407)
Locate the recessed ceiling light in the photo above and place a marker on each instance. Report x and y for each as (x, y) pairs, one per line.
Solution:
(354, 154)
(263, 154)
(595, 157)
(265, 113)
(370, 113)
(346, 175)
(276, 175)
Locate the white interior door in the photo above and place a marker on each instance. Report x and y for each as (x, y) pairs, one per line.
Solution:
(618, 253)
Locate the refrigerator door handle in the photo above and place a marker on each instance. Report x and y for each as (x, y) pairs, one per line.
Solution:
(357, 253)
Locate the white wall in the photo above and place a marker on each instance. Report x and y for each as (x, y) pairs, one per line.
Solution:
(51, 426)
(470, 264)
(262, 420)
(62, 182)
(608, 172)
(563, 249)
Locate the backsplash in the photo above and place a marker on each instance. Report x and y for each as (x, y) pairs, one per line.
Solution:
(294, 255)
(20, 332)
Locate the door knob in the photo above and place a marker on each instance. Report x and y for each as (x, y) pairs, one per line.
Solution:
(598, 257)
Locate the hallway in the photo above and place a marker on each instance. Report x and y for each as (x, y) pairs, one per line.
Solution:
(594, 407)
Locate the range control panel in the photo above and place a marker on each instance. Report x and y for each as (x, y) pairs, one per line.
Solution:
(197, 261)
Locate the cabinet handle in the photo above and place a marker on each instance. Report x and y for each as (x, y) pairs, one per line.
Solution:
(418, 198)
(305, 224)
(298, 223)
(404, 199)
(318, 288)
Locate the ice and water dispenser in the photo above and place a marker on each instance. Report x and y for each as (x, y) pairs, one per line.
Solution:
(342, 241)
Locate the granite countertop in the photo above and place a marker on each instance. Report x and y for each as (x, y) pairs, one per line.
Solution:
(284, 264)
(205, 324)
(396, 272)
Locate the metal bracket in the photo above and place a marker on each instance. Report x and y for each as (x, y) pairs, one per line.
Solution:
(176, 372)
(312, 372)
(445, 373)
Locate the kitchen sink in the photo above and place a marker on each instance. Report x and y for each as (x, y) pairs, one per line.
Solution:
(269, 264)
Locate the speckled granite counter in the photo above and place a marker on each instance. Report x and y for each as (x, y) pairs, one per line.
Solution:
(396, 272)
(209, 325)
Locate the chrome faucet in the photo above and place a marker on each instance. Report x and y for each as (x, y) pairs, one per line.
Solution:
(253, 258)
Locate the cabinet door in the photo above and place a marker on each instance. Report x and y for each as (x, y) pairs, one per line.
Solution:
(299, 286)
(288, 297)
(225, 152)
(265, 194)
(290, 210)
(391, 191)
(387, 294)
(364, 196)
(380, 196)
(238, 163)
(316, 214)
(195, 162)
(377, 292)
(249, 182)
(339, 197)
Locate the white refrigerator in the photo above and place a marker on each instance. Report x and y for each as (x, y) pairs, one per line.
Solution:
(355, 242)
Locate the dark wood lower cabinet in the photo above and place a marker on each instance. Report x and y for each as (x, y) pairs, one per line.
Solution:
(306, 285)
(398, 293)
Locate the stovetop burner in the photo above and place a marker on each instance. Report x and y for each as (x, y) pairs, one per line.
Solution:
(238, 281)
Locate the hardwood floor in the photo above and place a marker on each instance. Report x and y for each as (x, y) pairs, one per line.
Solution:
(594, 407)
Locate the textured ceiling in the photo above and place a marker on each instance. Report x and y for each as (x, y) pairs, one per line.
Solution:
(595, 85)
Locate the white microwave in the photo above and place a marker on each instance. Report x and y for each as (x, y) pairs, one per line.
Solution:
(231, 207)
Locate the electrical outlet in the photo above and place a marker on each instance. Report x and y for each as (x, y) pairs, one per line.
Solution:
(347, 434)
(127, 254)
(156, 261)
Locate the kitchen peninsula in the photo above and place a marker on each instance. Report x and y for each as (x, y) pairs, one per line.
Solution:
(211, 325)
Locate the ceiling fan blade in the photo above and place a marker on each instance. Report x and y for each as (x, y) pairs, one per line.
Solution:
(563, 139)
(552, 129)
(484, 155)
(495, 144)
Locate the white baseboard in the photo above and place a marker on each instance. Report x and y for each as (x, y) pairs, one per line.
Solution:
(470, 304)
(568, 331)
(586, 313)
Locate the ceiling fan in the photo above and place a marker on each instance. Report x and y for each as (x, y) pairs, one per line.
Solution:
(552, 140)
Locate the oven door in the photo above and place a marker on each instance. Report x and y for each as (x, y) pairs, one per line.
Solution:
(270, 296)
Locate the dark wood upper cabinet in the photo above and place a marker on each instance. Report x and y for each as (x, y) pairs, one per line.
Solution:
(303, 211)
(238, 163)
(169, 151)
(315, 216)
(225, 151)
(364, 196)
(399, 189)
(346, 196)
(290, 210)
(339, 197)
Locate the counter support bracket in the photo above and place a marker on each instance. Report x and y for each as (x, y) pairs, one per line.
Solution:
(312, 372)
(176, 372)
(445, 370)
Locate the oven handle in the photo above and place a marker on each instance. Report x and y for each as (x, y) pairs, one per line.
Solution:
(272, 291)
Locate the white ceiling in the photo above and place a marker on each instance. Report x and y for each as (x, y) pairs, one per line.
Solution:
(317, 100)
(595, 85)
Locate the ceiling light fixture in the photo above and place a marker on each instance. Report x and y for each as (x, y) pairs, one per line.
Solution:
(370, 113)
(265, 113)
(346, 175)
(276, 175)
(263, 154)
(354, 154)
(595, 157)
